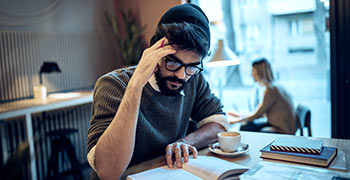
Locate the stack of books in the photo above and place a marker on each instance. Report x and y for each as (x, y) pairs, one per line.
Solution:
(300, 150)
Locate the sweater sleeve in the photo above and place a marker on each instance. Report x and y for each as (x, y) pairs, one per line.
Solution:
(268, 100)
(108, 93)
(206, 103)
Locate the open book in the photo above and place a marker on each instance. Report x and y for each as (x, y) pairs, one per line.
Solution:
(203, 167)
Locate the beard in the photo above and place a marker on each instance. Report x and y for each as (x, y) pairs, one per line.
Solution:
(162, 84)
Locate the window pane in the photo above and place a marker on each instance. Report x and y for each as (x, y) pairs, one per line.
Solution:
(293, 37)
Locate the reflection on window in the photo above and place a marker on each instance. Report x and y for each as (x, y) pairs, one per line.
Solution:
(292, 35)
(252, 31)
(250, 3)
(298, 27)
(295, 27)
(308, 26)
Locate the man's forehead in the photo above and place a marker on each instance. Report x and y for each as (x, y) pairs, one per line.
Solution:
(186, 57)
(185, 61)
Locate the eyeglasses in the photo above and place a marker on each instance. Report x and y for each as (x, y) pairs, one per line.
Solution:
(173, 65)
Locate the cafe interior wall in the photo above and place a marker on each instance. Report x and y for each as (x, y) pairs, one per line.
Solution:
(148, 12)
(74, 34)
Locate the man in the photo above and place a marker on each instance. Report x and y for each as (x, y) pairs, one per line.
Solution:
(143, 112)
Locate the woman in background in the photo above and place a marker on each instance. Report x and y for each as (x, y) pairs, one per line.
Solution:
(277, 104)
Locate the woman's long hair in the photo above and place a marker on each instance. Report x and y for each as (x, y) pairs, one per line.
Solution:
(264, 70)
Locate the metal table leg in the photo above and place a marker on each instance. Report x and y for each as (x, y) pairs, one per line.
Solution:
(31, 145)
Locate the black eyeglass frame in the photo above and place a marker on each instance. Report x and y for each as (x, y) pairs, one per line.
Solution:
(168, 59)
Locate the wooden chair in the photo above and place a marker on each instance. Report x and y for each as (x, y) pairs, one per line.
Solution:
(303, 119)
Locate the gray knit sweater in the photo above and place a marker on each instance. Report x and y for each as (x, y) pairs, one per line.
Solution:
(162, 119)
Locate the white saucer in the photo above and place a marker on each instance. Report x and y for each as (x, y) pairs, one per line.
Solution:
(215, 148)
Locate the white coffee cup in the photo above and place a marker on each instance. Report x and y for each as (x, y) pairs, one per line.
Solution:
(229, 141)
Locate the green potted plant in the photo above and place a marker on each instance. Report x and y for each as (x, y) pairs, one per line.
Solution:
(131, 44)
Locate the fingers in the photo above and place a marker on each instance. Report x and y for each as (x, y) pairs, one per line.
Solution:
(153, 55)
(149, 60)
(164, 51)
(162, 48)
(178, 157)
(194, 151)
(179, 150)
(185, 152)
(160, 43)
(168, 156)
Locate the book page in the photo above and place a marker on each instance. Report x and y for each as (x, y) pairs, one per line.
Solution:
(281, 171)
(211, 168)
(163, 173)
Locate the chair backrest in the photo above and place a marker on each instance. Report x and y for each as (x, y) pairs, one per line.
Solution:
(13, 167)
(303, 119)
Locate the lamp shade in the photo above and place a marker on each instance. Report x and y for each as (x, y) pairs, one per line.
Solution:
(48, 67)
(223, 56)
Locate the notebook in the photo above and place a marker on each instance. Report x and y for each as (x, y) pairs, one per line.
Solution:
(297, 144)
(323, 159)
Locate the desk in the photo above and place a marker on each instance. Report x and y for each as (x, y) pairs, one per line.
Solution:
(256, 142)
(30, 106)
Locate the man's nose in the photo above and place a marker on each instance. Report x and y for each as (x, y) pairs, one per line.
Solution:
(181, 73)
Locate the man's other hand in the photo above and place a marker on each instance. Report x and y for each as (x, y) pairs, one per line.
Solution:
(178, 150)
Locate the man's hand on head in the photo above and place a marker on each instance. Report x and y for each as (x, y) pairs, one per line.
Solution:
(149, 60)
(178, 150)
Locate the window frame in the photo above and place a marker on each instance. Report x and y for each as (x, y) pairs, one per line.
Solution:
(340, 67)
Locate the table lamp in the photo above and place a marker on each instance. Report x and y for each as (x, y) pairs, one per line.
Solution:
(40, 91)
(222, 57)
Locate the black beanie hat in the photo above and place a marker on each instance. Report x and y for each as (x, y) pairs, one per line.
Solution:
(189, 13)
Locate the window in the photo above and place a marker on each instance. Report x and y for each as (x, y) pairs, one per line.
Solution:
(295, 42)
(295, 27)
(308, 26)
(300, 27)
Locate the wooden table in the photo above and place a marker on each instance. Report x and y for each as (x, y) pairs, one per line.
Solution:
(30, 106)
(256, 142)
